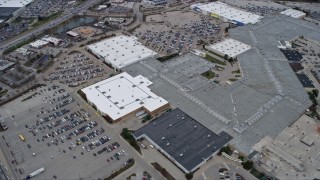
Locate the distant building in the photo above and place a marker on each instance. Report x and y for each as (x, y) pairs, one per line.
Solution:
(225, 12)
(123, 96)
(9, 8)
(294, 13)
(23, 51)
(73, 34)
(38, 44)
(121, 51)
(155, 2)
(229, 47)
(119, 20)
(182, 139)
(5, 64)
(52, 40)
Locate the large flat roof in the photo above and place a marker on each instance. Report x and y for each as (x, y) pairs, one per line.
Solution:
(121, 51)
(230, 47)
(229, 12)
(14, 3)
(189, 141)
(38, 43)
(123, 94)
(7, 11)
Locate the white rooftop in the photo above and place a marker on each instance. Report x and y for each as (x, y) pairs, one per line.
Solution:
(53, 40)
(294, 13)
(230, 47)
(121, 51)
(72, 33)
(38, 43)
(123, 94)
(14, 3)
(229, 12)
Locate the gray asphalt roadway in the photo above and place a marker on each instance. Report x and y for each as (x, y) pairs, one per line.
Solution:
(67, 15)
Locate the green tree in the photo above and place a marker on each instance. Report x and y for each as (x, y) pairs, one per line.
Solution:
(189, 176)
(225, 57)
(315, 92)
(241, 158)
(247, 165)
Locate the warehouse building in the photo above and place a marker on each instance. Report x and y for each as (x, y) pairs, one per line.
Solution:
(52, 40)
(73, 34)
(121, 51)
(229, 47)
(9, 8)
(225, 12)
(294, 13)
(38, 44)
(5, 64)
(182, 139)
(123, 96)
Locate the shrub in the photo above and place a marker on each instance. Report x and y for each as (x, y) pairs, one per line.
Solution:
(189, 176)
(247, 165)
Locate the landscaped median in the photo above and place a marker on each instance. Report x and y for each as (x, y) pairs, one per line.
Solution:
(42, 21)
(127, 135)
(12, 48)
(163, 171)
(121, 170)
(214, 60)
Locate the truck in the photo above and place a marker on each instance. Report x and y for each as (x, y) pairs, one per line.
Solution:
(35, 173)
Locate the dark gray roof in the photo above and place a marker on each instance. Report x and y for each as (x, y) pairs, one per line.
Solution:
(185, 135)
(7, 11)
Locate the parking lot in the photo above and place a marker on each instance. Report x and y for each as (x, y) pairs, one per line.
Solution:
(305, 54)
(44, 8)
(165, 40)
(7, 32)
(258, 7)
(76, 69)
(205, 28)
(59, 130)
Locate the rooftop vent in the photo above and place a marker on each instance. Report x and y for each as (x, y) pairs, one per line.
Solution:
(168, 144)
(181, 155)
(163, 138)
(195, 126)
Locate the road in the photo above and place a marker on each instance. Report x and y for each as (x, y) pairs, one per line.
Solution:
(66, 15)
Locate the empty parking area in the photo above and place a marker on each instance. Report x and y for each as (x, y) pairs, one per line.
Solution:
(58, 134)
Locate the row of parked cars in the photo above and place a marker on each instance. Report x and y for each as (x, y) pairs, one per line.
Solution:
(109, 148)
